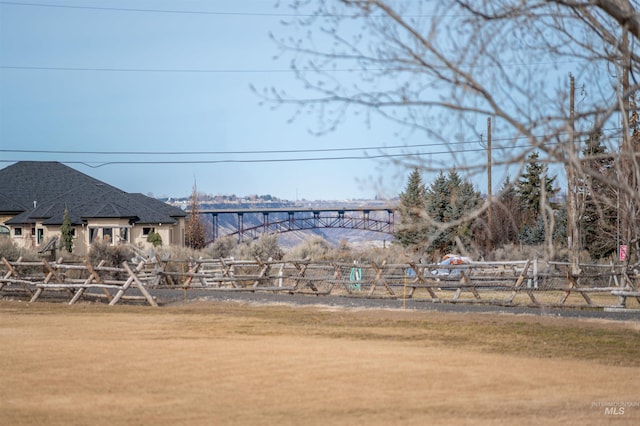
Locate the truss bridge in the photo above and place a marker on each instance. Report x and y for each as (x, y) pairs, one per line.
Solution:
(250, 223)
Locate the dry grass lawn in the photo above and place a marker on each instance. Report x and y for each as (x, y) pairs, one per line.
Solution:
(231, 363)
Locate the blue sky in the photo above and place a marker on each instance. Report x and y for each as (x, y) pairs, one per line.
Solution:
(141, 82)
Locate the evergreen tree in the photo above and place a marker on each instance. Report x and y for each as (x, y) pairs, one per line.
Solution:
(438, 196)
(507, 215)
(536, 233)
(450, 199)
(410, 228)
(67, 232)
(598, 222)
(530, 187)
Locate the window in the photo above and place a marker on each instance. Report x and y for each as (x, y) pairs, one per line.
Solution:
(4, 231)
(107, 235)
(17, 232)
(147, 230)
(124, 234)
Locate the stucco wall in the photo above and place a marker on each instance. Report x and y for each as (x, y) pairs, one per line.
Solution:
(113, 230)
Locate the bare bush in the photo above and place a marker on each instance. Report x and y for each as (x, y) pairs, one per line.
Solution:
(265, 247)
(9, 250)
(221, 247)
(316, 248)
(112, 255)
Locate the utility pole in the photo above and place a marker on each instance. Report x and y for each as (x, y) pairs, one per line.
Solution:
(489, 184)
(624, 148)
(626, 64)
(629, 175)
(573, 240)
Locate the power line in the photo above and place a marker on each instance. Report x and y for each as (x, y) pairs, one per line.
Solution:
(176, 70)
(280, 160)
(265, 160)
(156, 70)
(205, 12)
(141, 10)
(233, 161)
(239, 70)
(96, 164)
(294, 151)
(270, 152)
(286, 151)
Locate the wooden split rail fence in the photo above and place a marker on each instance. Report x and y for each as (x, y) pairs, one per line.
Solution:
(501, 283)
(76, 280)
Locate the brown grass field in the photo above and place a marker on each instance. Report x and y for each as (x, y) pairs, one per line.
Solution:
(232, 363)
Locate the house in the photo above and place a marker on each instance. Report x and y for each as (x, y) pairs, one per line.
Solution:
(35, 194)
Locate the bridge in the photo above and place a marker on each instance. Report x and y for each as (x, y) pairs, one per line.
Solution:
(287, 219)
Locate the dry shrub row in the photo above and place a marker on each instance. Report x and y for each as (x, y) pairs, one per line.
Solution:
(266, 247)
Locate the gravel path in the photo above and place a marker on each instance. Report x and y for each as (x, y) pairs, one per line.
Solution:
(171, 297)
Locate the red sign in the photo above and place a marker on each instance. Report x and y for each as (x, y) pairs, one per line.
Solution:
(623, 252)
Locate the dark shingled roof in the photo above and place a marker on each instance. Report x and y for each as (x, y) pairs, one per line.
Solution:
(41, 190)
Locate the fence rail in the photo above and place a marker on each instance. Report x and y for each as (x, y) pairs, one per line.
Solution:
(528, 282)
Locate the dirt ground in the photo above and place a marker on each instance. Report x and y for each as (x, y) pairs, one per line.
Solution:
(231, 363)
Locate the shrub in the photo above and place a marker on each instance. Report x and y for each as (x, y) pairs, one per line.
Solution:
(393, 254)
(316, 248)
(155, 239)
(8, 249)
(266, 247)
(221, 248)
(518, 252)
(112, 255)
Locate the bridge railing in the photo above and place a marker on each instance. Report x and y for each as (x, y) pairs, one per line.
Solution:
(250, 223)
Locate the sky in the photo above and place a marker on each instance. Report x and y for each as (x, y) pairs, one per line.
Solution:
(90, 86)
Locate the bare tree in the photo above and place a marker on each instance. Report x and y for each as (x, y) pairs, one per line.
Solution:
(444, 67)
(194, 228)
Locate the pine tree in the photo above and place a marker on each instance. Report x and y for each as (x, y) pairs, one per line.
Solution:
(67, 232)
(598, 222)
(411, 224)
(506, 214)
(530, 187)
(463, 198)
(438, 196)
(450, 199)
